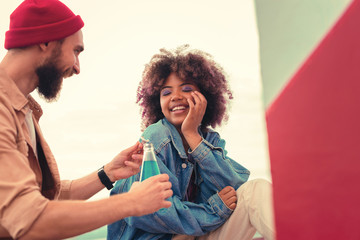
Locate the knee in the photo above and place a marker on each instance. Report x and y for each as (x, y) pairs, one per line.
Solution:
(255, 185)
(255, 194)
(260, 182)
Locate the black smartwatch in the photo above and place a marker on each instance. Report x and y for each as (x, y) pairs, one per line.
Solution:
(105, 179)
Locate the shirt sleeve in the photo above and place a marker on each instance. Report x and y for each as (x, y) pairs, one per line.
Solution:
(65, 190)
(21, 202)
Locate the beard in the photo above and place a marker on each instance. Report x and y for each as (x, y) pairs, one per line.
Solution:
(51, 77)
(50, 81)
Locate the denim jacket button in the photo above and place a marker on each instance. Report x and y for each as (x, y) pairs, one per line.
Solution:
(183, 165)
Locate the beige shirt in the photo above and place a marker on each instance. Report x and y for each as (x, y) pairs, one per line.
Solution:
(29, 178)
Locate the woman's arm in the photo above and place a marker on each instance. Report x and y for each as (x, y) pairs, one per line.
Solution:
(215, 168)
(182, 217)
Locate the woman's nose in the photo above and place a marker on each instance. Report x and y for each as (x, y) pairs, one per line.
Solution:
(176, 96)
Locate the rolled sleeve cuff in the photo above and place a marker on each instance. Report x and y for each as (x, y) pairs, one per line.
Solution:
(219, 206)
(200, 152)
(65, 190)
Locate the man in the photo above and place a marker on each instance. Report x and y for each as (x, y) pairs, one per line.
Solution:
(44, 42)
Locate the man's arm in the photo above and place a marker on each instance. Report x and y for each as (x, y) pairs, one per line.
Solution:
(63, 219)
(182, 217)
(124, 165)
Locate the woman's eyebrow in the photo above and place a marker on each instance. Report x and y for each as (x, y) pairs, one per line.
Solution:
(163, 87)
(186, 83)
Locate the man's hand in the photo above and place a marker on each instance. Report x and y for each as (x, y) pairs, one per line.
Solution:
(151, 194)
(126, 163)
(228, 196)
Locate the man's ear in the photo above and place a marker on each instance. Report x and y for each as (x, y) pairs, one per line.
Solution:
(44, 46)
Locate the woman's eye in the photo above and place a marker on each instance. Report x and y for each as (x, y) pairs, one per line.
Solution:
(165, 92)
(188, 88)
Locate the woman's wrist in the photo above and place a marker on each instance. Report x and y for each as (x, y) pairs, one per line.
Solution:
(193, 140)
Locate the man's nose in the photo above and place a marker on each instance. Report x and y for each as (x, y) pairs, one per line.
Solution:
(77, 67)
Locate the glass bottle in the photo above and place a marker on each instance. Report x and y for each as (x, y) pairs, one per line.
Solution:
(149, 165)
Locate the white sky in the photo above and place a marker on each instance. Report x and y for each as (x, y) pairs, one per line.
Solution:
(96, 116)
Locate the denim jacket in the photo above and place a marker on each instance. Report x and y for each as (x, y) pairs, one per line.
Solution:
(213, 171)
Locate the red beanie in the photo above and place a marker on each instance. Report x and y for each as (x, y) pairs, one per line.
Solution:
(41, 21)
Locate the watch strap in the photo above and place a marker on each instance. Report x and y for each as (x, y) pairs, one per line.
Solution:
(105, 180)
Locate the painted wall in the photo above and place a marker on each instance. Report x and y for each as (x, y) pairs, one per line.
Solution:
(289, 30)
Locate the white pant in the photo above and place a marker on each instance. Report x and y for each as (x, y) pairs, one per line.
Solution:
(253, 212)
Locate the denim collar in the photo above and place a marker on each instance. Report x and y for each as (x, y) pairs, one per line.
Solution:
(175, 138)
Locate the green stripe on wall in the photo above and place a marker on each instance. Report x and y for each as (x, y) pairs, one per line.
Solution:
(288, 32)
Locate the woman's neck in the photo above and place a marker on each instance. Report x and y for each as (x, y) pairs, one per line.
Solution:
(185, 143)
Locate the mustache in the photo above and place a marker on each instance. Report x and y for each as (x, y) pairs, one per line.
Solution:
(68, 73)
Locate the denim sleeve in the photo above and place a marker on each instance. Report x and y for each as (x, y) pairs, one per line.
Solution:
(182, 217)
(216, 169)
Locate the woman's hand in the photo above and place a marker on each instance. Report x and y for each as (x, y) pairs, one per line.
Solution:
(228, 196)
(189, 128)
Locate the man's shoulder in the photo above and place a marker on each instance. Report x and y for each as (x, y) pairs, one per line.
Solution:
(5, 100)
(3, 80)
(10, 93)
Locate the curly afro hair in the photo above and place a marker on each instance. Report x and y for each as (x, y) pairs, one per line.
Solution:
(194, 65)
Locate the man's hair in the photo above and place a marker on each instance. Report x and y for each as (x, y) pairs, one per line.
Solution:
(194, 65)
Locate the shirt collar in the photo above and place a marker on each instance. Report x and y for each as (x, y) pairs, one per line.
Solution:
(18, 100)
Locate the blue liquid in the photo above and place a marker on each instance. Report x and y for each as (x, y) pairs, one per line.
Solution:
(149, 169)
